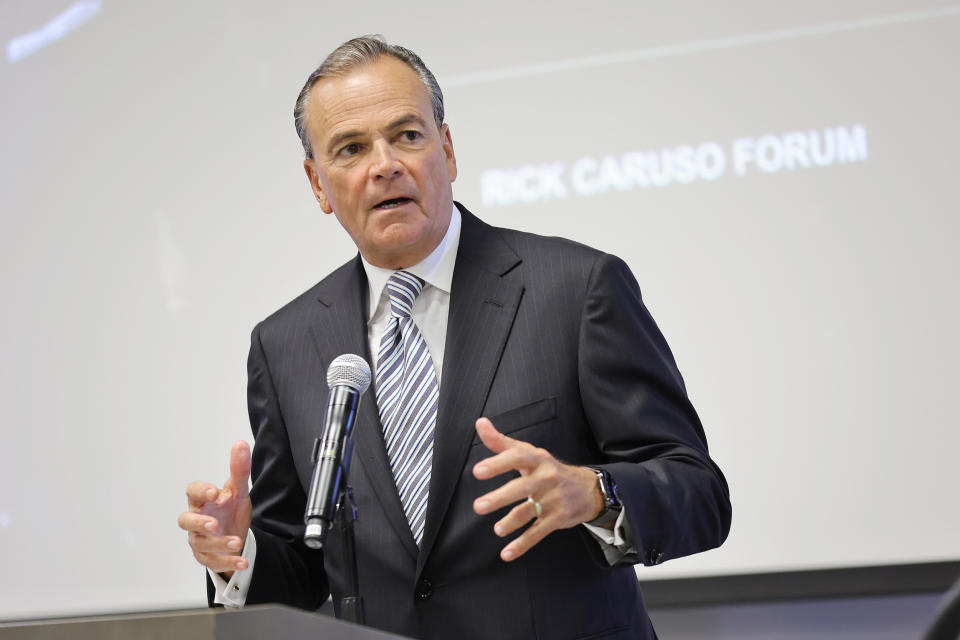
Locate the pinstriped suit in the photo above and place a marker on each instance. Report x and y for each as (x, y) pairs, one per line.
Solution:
(549, 339)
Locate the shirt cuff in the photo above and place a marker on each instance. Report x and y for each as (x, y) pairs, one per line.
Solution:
(234, 593)
(617, 545)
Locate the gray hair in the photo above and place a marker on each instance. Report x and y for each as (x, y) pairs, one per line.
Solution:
(352, 54)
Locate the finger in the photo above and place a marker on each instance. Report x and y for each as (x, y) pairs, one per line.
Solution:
(509, 493)
(525, 541)
(239, 469)
(214, 544)
(516, 458)
(219, 562)
(200, 492)
(198, 523)
(518, 516)
(493, 439)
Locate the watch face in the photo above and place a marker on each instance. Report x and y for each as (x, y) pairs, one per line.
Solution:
(609, 489)
(611, 503)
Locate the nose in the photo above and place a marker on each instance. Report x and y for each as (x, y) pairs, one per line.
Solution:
(384, 163)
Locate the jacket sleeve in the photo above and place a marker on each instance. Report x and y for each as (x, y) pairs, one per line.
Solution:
(676, 498)
(285, 571)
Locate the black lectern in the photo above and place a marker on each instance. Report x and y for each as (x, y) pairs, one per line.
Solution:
(250, 623)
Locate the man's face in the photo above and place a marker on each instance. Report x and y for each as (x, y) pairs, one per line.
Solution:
(379, 162)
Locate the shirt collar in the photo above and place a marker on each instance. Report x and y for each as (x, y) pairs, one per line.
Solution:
(436, 269)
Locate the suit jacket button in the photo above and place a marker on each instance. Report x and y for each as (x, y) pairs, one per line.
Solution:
(424, 589)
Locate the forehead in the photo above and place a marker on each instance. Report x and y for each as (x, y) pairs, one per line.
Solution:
(370, 94)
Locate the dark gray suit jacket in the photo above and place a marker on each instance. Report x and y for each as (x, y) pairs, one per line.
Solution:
(548, 338)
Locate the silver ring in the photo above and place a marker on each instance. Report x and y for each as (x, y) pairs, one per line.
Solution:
(536, 505)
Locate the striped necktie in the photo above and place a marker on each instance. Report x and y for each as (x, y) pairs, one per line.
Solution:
(407, 395)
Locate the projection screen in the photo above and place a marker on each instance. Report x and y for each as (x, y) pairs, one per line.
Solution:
(779, 176)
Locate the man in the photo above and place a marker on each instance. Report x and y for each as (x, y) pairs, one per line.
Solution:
(525, 403)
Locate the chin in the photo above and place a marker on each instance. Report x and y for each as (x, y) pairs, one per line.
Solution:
(400, 239)
(404, 243)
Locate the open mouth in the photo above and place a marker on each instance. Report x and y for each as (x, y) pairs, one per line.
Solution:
(392, 203)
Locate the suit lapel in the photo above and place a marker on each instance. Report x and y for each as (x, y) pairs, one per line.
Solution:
(483, 306)
(341, 327)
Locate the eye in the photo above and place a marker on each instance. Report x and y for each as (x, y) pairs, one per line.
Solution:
(411, 135)
(351, 149)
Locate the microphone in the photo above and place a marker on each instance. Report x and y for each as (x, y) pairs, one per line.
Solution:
(348, 377)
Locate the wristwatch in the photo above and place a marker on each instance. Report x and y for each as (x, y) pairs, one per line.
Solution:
(611, 501)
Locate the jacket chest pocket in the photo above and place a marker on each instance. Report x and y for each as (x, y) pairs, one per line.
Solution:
(514, 421)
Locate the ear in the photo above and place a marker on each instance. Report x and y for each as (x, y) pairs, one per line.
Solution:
(313, 175)
(447, 142)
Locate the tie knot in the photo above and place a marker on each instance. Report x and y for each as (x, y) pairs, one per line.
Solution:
(403, 288)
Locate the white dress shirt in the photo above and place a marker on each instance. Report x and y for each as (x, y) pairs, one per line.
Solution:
(430, 312)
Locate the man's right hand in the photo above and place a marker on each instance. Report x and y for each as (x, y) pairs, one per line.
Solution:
(217, 520)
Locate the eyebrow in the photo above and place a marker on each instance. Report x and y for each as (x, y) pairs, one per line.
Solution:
(340, 138)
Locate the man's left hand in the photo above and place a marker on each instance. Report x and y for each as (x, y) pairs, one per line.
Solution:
(568, 495)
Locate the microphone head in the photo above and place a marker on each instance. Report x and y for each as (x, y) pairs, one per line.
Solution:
(349, 370)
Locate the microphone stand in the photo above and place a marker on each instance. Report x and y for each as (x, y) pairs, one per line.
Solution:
(351, 605)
